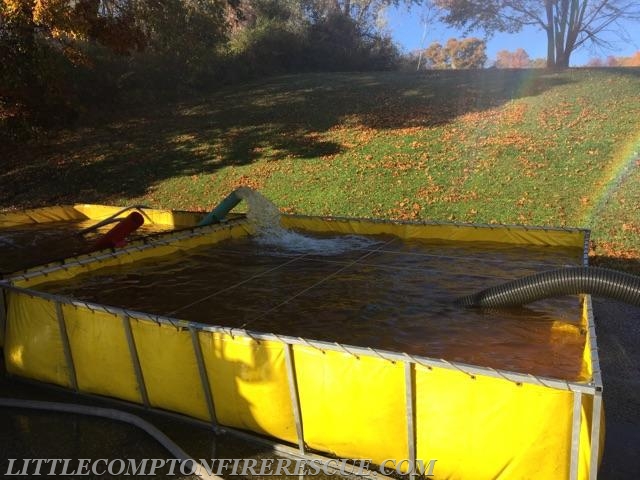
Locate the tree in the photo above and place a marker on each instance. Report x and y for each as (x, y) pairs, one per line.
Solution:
(632, 61)
(613, 61)
(61, 56)
(435, 57)
(66, 22)
(248, 14)
(355, 9)
(467, 53)
(538, 63)
(595, 62)
(427, 17)
(518, 59)
(568, 24)
(367, 14)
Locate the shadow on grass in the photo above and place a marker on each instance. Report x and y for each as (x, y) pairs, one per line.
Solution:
(291, 117)
(631, 71)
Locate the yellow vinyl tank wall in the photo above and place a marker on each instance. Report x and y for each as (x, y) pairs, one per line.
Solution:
(85, 211)
(478, 423)
(77, 213)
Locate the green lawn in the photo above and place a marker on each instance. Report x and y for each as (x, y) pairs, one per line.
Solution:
(529, 147)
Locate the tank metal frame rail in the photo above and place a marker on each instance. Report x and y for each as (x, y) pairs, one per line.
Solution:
(579, 389)
(490, 226)
(187, 233)
(162, 239)
(597, 394)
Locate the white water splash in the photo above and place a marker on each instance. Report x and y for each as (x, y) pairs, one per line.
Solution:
(265, 217)
(262, 213)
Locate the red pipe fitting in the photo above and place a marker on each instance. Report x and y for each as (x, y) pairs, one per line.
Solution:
(116, 236)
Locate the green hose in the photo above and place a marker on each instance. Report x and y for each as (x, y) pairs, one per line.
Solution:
(217, 214)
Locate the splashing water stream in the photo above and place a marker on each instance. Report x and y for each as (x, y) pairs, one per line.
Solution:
(265, 218)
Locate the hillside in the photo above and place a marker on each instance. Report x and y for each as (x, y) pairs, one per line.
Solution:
(492, 146)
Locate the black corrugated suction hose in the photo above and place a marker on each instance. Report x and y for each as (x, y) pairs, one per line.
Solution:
(555, 283)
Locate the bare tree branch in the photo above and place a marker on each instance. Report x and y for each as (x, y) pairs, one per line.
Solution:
(569, 24)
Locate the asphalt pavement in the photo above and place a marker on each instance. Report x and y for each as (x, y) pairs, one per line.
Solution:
(618, 333)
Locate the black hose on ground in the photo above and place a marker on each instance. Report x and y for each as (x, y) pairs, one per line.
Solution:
(600, 282)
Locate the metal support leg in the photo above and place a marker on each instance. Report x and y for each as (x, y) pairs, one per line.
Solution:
(204, 377)
(409, 410)
(135, 360)
(295, 397)
(73, 380)
(595, 435)
(575, 435)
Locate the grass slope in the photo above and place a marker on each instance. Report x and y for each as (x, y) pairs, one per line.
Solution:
(492, 146)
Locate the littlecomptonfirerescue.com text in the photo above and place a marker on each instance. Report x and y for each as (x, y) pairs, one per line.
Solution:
(66, 467)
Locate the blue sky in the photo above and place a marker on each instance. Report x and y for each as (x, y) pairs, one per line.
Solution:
(407, 28)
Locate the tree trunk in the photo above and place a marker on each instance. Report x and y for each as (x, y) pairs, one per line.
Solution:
(551, 39)
(551, 49)
(562, 60)
(347, 8)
